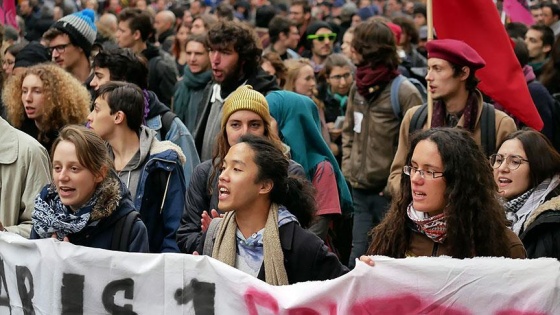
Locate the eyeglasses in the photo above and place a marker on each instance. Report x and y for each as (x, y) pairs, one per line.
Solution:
(8, 62)
(410, 170)
(59, 48)
(339, 77)
(512, 161)
(322, 37)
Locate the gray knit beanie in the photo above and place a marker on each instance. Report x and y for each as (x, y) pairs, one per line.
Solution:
(80, 27)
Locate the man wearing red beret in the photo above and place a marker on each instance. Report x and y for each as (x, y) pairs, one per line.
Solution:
(456, 101)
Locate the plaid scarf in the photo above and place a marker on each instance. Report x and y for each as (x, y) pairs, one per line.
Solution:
(433, 227)
(520, 208)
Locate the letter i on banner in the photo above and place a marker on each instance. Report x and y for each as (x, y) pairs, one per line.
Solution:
(8, 13)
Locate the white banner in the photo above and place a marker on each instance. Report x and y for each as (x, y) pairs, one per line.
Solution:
(51, 277)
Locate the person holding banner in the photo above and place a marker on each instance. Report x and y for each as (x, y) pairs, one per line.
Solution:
(262, 232)
(86, 200)
(457, 103)
(447, 203)
(527, 172)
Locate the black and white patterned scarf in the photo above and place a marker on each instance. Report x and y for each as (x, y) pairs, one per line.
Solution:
(51, 216)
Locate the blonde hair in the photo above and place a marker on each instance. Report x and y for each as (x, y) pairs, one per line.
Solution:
(294, 67)
(66, 100)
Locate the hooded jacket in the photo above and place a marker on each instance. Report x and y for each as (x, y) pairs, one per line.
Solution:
(260, 81)
(98, 233)
(160, 192)
(177, 133)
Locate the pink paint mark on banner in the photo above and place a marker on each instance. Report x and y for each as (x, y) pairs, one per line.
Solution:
(8, 13)
(518, 11)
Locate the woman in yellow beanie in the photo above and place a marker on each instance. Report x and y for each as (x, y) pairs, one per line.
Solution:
(245, 111)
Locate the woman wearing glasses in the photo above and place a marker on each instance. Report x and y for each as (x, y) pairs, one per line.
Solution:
(526, 170)
(447, 204)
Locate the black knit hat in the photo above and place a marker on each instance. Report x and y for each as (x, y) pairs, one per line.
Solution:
(80, 27)
(32, 54)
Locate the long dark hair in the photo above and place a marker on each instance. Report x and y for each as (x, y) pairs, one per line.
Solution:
(476, 223)
(295, 193)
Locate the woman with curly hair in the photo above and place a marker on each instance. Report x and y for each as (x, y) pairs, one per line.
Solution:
(448, 204)
(43, 99)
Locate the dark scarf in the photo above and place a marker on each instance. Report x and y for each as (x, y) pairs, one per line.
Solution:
(469, 113)
(191, 82)
(370, 82)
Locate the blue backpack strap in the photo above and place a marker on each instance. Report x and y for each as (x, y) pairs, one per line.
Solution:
(488, 129)
(395, 104)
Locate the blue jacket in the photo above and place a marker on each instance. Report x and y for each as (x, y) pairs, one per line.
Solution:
(98, 233)
(160, 195)
(177, 133)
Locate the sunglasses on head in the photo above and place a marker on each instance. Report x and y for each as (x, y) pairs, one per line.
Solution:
(322, 37)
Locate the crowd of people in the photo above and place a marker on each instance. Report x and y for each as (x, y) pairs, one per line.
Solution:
(288, 140)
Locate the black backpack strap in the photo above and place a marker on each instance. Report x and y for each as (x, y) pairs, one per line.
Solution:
(166, 121)
(488, 129)
(121, 233)
(418, 119)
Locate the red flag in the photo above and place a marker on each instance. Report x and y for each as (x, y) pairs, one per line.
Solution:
(518, 11)
(8, 13)
(477, 23)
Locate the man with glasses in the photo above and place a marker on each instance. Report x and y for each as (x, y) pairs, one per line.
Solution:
(284, 37)
(371, 129)
(457, 103)
(70, 40)
(320, 41)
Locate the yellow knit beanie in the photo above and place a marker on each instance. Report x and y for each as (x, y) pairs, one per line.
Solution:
(245, 98)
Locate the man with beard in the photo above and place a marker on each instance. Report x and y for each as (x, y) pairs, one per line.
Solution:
(234, 56)
(284, 37)
(320, 41)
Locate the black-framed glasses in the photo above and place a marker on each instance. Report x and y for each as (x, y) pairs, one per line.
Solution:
(59, 48)
(322, 37)
(411, 170)
(512, 161)
(339, 77)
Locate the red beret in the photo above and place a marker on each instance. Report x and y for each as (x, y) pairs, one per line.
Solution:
(456, 52)
(397, 31)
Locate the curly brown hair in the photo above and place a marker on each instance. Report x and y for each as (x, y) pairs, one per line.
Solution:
(476, 223)
(67, 101)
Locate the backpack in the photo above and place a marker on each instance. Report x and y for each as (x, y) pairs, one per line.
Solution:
(556, 121)
(123, 228)
(166, 121)
(395, 86)
(487, 125)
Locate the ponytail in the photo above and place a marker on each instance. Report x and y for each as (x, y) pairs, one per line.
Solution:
(298, 196)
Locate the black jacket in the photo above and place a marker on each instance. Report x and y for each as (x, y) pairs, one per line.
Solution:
(200, 199)
(541, 230)
(306, 257)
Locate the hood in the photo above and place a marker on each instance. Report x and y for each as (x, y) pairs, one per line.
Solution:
(147, 136)
(551, 205)
(155, 106)
(159, 147)
(111, 192)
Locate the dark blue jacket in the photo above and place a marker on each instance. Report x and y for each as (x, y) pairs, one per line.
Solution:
(160, 195)
(99, 233)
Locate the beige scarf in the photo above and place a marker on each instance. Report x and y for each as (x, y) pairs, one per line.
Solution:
(225, 246)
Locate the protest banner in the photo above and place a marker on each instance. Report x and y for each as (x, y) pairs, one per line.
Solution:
(51, 277)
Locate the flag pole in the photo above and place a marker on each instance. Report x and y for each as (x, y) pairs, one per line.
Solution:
(430, 17)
